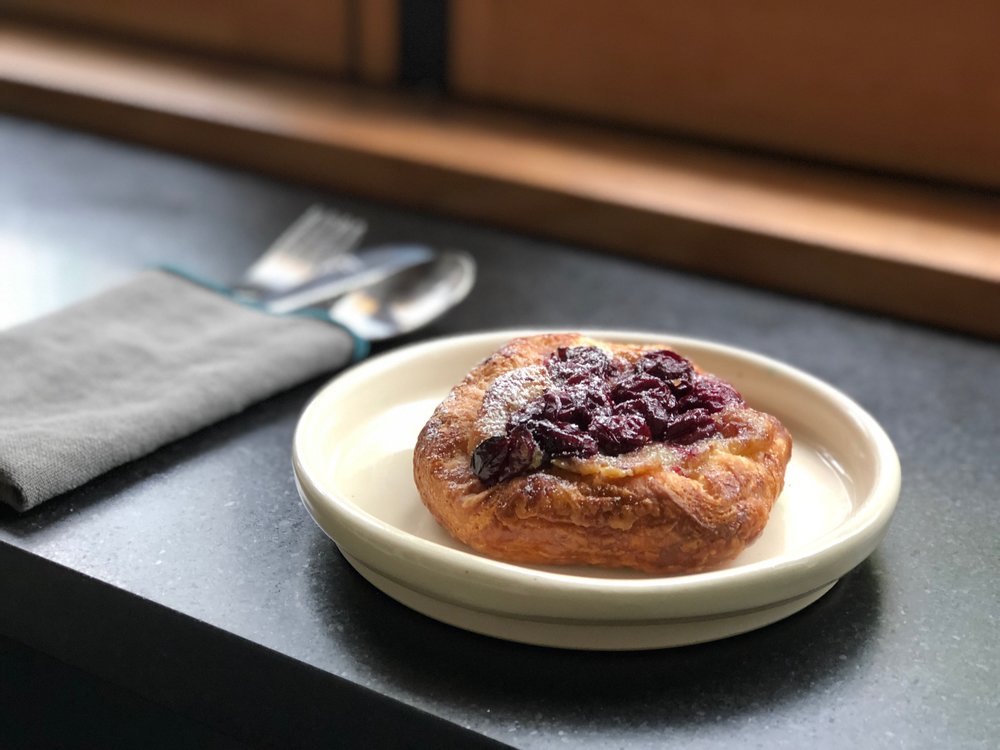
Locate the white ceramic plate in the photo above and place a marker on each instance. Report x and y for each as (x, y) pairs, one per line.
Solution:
(352, 458)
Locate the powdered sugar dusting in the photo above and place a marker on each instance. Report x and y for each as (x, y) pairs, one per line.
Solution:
(510, 392)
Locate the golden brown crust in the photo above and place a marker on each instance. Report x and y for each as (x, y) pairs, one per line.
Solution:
(661, 510)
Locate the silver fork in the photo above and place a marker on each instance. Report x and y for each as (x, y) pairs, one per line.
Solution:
(302, 251)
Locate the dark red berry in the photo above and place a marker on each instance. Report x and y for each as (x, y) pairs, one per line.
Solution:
(579, 362)
(575, 404)
(680, 387)
(665, 365)
(562, 438)
(714, 394)
(500, 458)
(656, 407)
(632, 385)
(688, 427)
(620, 433)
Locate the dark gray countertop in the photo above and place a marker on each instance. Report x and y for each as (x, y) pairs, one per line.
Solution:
(195, 579)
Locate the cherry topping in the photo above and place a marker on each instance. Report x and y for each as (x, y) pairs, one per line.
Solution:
(633, 385)
(600, 404)
(656, 407)
(665, 365)
(579, 363)
(620, 433)
(562, 438)
(689, 426)
(497, 459)
(714, 394)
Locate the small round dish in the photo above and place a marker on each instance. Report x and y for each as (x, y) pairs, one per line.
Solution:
(352, 457)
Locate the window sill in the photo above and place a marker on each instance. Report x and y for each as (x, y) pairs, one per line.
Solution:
(920, 251)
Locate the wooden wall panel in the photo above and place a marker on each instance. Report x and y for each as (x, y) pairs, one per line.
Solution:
(378, 41)
(904, 85)
(312, 35)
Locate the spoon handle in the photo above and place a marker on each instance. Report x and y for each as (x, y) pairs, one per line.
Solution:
(350, 272)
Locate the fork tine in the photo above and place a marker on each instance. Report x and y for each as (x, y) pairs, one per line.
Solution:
(328, 229)
(313, 239)
(296, 231)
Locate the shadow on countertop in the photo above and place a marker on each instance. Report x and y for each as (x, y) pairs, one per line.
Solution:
(756, 672)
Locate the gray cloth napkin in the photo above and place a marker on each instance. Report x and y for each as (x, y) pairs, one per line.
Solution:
(114, 377)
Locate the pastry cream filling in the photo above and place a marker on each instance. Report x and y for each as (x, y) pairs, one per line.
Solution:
(648, 458)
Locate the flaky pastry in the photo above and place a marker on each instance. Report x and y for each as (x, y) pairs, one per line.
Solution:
(559, 449)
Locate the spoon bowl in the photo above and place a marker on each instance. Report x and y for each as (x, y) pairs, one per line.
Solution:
(407, 300)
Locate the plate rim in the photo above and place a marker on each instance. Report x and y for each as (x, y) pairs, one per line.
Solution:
(689, 595)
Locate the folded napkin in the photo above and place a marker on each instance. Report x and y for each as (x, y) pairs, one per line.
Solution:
(115, 377)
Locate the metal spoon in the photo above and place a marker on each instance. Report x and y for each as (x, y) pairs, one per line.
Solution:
(347, 272)
(407, 300)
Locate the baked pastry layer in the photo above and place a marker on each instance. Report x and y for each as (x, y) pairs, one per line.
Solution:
(663, 508)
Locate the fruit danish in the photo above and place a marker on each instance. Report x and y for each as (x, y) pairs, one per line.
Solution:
(559, 449)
